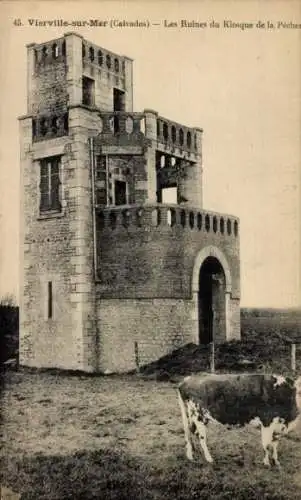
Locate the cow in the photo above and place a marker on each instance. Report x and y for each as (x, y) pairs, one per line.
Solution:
(271, 402)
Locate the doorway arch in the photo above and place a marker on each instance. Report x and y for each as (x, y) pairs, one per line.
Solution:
(211, 301)
(211, 291)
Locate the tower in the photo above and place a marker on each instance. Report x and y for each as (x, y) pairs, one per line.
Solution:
(120, 262)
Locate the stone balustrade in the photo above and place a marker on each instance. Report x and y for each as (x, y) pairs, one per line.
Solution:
(170, 133)
(50, 52)
(121, 123)
(49, 126)
(160, 215)
(92, 54)
(176, 135)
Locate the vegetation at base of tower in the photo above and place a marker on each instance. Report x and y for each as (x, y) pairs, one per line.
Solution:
(121, 438)
(264, 346)
(9, 328)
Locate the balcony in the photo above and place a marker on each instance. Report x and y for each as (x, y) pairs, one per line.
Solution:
(175, 136)
(122, 129)
(122, 123)
(49, 126)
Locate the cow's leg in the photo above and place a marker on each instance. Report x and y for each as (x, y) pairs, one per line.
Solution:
(188, 443)
(198, 427)
(275, 442)
(201, 432)
(266, 438)
(279, 428)
(270, 440)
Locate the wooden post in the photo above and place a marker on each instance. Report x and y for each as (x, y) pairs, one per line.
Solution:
(212, 346)
(137, 357)
(107, 181)
(293, 357)
(212, 357)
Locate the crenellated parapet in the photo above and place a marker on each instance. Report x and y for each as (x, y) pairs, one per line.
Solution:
(49, 53)
(55, 51)
(103, 59)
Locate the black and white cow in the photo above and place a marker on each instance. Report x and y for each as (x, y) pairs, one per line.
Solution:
(272, 402)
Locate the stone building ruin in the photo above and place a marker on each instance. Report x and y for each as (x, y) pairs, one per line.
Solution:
(119, 259)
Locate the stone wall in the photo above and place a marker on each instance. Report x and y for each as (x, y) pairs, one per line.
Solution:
(47, 79)
(158, 326)
(56, 70)
(146, 257)
(58, 247)
(146, 292)
(144, 261)
(46, 256)
(109, 71)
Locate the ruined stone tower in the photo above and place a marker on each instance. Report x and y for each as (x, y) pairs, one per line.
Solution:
(120, 262)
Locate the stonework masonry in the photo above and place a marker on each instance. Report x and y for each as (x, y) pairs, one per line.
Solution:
(157, 326)
(110, 275)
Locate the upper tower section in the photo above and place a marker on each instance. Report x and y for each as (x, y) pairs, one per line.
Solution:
(70, 71)
(74, 84)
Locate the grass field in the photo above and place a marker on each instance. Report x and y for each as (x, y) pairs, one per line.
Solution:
(121, 437)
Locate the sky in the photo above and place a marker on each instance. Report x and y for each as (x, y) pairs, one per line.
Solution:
(242, 85)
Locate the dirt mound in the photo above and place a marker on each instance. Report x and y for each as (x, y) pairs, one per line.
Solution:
(187, 359)
(256, 352)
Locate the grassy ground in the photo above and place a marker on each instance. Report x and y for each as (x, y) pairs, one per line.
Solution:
(121, 437)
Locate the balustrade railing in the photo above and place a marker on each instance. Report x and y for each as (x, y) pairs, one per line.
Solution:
(159, 215)
(103, 58)
(122, 123)
(176, 135)
(50, 52)
(49, 126)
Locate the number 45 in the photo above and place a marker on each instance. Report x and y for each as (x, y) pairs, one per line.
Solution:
(17, 22)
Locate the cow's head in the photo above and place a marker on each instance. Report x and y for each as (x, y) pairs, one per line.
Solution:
(281, 384)
(284, 382)
(286, 389)
(278, 380)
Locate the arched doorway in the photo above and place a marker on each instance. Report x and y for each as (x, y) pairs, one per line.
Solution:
(211, 301)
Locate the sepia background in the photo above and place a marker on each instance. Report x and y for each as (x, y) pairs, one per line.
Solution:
(243, 87)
